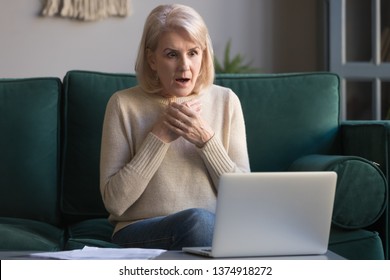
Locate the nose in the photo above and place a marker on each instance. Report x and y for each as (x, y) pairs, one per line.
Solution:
(184, 64)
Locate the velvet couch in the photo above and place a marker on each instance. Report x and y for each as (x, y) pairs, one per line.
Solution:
(50, 142)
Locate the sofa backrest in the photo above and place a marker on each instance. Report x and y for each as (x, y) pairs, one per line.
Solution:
(29, 141)
(287, 116)
(85, 97)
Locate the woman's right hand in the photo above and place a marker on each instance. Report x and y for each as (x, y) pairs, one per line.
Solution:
(161, 130)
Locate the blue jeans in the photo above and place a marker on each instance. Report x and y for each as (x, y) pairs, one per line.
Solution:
(187, 228)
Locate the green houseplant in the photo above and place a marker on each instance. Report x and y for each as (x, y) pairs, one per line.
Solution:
(234, 64)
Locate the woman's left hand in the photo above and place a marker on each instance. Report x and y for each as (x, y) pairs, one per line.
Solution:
(185, 120)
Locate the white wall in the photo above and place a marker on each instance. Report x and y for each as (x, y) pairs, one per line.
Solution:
(276, 34)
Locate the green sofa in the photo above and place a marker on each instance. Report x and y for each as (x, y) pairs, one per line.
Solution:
(50, 143)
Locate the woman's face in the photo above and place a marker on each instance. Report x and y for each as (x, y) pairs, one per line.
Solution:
(177, 62)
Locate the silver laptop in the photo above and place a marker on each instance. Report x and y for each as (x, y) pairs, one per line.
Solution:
(272, 214)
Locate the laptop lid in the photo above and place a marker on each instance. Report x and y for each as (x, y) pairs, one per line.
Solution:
(273, 214)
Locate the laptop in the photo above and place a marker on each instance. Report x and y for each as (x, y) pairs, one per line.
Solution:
(272, 214)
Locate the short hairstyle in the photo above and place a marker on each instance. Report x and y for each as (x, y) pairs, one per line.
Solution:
(172, 17)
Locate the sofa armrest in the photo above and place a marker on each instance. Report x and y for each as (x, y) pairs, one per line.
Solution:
(371, 140)
(367, 139)
(361, 191)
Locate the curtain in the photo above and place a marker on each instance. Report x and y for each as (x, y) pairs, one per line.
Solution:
(86, 10)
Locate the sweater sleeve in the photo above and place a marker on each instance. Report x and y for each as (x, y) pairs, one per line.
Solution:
(125, 175)
(231, 157)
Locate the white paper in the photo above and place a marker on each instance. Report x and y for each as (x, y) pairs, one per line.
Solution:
(95, 253)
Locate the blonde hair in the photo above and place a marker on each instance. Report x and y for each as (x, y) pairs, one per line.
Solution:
(173, 17)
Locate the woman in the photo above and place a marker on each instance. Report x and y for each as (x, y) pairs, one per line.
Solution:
(166, 142)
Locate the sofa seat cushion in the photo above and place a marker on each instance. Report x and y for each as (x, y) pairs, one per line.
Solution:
(93, 232)
(361, 192)
(356, 244)
(29, 235)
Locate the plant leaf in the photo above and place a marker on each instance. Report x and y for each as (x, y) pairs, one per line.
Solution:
(235, 65)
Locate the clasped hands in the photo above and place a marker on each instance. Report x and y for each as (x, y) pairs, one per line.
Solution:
(183, 120)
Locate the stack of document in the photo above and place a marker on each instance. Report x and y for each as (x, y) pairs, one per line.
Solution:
(95, 253)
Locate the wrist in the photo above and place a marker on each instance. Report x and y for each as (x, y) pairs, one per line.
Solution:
(205, 139)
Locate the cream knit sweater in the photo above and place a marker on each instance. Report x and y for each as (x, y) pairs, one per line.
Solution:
(143, 177)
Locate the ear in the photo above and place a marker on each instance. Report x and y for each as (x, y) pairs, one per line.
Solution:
(151, 58)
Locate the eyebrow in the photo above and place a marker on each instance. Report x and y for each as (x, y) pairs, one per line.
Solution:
(172, 49)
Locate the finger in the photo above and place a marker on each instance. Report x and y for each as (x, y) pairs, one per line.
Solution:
(194, 104)
(176, 127)
(180, 112)
(180, 122)
(185, 109)
(175, 111)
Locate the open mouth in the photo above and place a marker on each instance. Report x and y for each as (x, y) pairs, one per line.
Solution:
(182, 80)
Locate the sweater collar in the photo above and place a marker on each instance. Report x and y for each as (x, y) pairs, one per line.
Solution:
(166, 101)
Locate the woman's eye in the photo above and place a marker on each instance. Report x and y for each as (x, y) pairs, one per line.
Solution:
(171, 54)
(193, 53)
